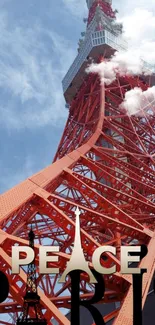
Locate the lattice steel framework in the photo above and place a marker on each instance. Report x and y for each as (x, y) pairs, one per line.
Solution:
(105, 166)
(31, 306)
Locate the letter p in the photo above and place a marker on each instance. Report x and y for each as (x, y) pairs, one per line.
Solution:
(17, 261)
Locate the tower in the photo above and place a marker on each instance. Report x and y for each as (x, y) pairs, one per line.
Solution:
(104, 165)
(77, 260)
(103, 36)
(31, 313)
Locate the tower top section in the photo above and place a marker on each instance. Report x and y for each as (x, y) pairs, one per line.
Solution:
(103, 36)
(90, 2)
(102, 9)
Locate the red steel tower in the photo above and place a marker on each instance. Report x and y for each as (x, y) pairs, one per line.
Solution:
(105, 166)
(31, 298)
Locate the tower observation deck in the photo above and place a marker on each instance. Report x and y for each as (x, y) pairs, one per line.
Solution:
(103, 36)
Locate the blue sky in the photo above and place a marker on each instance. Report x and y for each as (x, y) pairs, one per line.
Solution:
(38, 42)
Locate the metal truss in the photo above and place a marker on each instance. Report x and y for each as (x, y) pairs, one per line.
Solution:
(105, 165)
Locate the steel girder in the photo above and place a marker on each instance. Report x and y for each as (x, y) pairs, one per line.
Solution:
(105, 165)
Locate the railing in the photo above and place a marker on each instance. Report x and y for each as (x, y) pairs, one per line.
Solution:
(149, 66)
(97, 38)
(77, 63)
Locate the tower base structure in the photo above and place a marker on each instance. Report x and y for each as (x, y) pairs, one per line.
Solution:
(113, 186)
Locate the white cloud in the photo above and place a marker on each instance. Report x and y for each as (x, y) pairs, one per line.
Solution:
(137, 101)
(31, 73)
(142, 21)
(127, 6)
(139, 27)
(122, 63)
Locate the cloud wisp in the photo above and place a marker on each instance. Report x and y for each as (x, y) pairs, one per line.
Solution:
(128, 6)
(32, 64)
(136, 101)
(122, 63)
(77, 8)
(139, 29)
